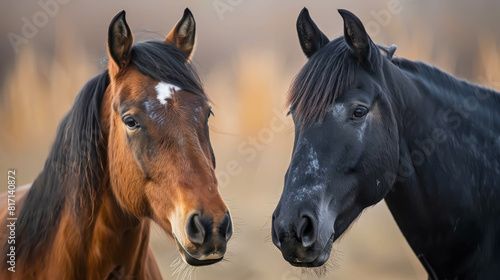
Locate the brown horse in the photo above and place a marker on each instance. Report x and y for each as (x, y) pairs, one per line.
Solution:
(133, 148)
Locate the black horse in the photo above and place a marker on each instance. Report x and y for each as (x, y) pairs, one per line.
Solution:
(369, 126)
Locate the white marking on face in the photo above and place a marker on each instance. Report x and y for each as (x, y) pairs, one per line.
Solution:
(155, 111)
(338, 110)
(310, 165)
(197, 111)
(165, 91)
(177, 222)
(313, 165)
(307, 192)
(361, 131)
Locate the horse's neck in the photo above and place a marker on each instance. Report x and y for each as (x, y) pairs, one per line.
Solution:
(449, 171)
(449, 140)
(101, 248)
(119, 241)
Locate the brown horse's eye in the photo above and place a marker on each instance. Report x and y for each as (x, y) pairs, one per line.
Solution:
(360, 112)
(131, 123)
(210, 113)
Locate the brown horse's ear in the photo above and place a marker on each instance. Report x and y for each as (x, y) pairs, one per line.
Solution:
(120, 41)
(183, 34)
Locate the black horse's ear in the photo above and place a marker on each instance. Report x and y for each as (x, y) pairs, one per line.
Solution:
(310, 37)
(120, 40)
(355, 35)
(184, 33)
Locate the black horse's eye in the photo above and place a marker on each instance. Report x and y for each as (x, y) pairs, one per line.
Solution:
(360, 112)
(131, 123)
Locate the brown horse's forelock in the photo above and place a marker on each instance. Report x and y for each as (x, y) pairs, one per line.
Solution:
(166, 63)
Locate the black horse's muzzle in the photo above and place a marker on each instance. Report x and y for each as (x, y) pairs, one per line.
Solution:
(301, 239)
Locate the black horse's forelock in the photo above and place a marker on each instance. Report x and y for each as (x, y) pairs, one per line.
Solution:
(326, 75)
(76, 164)
(164, 62)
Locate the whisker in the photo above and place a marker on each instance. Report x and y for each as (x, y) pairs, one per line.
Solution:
(176, 262)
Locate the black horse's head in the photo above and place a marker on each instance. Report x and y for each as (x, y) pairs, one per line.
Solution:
(345, 153)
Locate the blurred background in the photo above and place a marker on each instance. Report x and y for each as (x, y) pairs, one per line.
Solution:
(247, 54)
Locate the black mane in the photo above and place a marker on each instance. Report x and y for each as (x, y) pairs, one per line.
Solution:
(442, 78)
(327, 74)
(76, 165)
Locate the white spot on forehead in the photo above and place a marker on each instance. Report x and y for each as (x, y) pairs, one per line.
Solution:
(165, 91)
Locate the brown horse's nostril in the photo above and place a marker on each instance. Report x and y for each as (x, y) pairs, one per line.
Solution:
(195, 229)
(226, 226)
(306, 231)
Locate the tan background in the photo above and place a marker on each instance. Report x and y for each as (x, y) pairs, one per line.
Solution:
(247, 57)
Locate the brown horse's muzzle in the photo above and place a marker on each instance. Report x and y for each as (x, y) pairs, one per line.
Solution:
(207, 238)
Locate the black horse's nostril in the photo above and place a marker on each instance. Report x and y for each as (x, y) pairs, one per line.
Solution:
(195, 229)
(274, 232)
(226, 227)
(306, 230)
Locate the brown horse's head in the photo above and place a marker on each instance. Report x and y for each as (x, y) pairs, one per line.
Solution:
(160, 157)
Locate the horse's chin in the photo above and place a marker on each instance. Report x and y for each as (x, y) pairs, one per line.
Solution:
(195, 262)
(187, 258)
(320, 261)
(322, 258)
